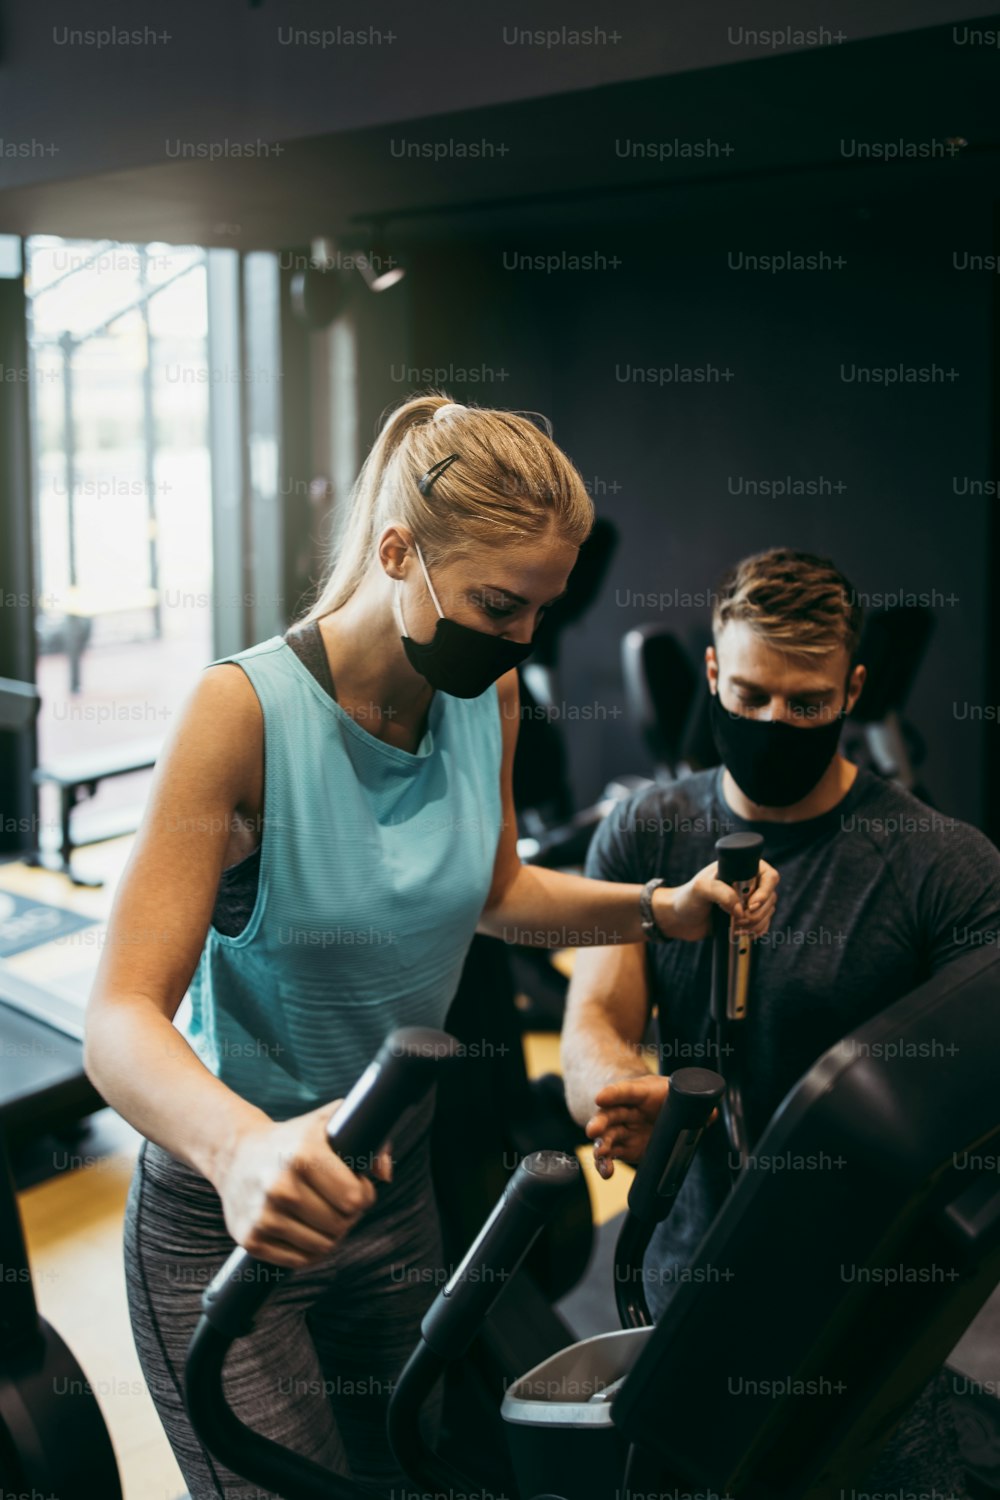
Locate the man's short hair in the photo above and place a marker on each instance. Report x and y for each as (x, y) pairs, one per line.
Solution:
(797, 601)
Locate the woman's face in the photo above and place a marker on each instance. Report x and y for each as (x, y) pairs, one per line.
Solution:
(503, 590)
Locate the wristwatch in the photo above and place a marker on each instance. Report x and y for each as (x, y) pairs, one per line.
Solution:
(654, 934)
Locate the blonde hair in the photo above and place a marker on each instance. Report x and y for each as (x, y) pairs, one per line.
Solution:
(510, 484)
(796, 600)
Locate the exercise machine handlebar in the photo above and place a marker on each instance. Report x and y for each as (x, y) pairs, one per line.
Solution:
(458, 1312)
(403, 1072)
(739, 856)
(692, 1097)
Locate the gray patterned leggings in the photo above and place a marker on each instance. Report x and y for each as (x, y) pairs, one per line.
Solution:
(317, 1371)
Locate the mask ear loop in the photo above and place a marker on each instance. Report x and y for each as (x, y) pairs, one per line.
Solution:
(425, 484)
(427, 580)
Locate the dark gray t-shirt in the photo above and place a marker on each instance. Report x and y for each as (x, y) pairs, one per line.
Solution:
(875, 896)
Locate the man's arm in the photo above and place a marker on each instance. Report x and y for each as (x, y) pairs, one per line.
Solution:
(607, 1009)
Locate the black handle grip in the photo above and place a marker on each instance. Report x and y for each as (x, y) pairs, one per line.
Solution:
(527, 1202)
(402, 1072)
(739, 856)
(693, 1095)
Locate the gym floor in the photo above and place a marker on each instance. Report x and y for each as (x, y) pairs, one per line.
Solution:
(72, 1196)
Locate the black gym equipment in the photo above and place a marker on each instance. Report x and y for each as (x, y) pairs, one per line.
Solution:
(542, 794)
(43, 1086)
(823, 1298)
(733, 957)
(53, 1440)
(487, 1116)
(893, 645)
(552, 831)
(42, 1082)
(661, 687)
(896, 1246)
(404, 1070)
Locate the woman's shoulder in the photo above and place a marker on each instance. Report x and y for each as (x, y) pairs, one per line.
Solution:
(221, 726)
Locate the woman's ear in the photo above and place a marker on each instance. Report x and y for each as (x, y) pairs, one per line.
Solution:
(393, 546)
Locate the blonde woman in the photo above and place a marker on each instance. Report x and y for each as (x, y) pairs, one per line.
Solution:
(330, 822)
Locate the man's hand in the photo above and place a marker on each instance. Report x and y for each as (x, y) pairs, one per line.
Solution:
(685, 912)
(626, 1113)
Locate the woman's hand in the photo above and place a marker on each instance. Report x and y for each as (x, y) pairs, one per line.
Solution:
(287, 1198)
(685, 912)
(626, 1113)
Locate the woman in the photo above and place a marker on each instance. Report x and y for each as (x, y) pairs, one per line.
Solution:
(331, 821)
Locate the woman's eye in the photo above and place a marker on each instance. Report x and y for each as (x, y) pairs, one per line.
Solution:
(495, 612)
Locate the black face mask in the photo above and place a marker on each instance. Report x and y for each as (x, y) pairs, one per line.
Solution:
(458, 660)
(774, 764)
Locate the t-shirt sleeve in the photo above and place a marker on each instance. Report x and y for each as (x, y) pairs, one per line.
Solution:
(613, 853)
(958, 901)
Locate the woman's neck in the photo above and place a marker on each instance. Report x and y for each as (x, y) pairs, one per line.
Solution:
(373, 678)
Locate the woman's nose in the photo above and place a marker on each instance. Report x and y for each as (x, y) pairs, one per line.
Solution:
(521, 633)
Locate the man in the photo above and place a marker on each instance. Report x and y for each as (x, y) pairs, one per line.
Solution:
(877, 893)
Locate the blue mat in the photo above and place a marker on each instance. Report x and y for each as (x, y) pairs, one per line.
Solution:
(26, 924)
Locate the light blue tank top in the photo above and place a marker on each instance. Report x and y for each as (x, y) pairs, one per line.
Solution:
(375, 866)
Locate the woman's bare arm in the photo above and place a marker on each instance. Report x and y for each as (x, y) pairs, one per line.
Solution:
(133, 1053)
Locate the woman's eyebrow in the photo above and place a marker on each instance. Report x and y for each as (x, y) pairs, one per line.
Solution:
(499, 589)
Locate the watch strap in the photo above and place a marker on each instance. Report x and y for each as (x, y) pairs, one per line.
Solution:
(654, 934)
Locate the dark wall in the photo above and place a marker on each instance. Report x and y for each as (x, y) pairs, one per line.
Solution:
(109, 85)
(663, 461)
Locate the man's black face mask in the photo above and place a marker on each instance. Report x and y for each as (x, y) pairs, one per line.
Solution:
(775, 764)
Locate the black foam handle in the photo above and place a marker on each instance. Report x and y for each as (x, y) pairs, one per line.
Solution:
(739, 856)
(693, 1094)
(526, 1204)
(403, 1072)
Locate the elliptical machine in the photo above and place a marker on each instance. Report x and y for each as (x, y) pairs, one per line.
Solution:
(403, 1072)
(771, 1375)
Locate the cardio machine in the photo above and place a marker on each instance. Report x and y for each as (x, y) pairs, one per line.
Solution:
(823, 1298)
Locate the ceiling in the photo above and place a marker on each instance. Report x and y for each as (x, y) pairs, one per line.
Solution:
(789, 123)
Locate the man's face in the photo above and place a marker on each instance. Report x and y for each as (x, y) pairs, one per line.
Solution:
(761, 681)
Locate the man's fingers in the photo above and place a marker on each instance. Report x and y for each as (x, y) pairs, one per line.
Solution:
(724, 896)
(759, 918)
(605, 1144)
(634, 1091)
(382, 1164)
(626, 1115)
(768, 880)
(620, 1142)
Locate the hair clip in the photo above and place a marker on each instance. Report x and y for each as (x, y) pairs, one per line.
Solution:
(425, 484)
